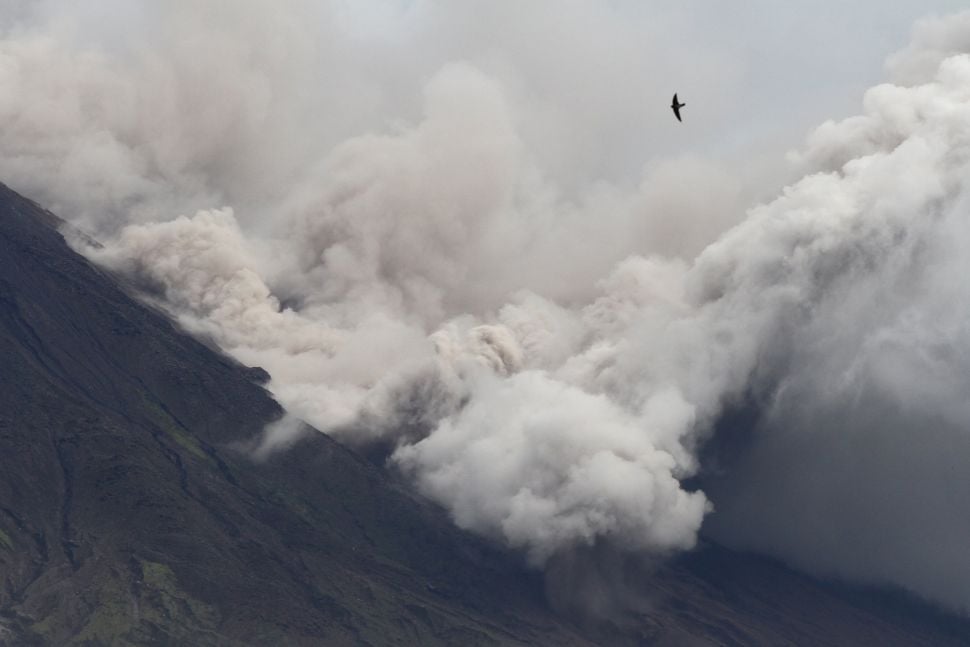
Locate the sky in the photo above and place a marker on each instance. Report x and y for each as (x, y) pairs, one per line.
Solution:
(763, 74)
(474, 233)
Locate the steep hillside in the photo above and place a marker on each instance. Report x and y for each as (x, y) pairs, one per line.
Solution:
(129, 515)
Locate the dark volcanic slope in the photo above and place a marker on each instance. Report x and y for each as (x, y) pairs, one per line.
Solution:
(126, 516)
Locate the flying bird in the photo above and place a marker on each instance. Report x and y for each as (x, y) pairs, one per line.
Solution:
(676, 107)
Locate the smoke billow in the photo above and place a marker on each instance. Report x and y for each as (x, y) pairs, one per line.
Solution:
(855, 468)
(545, 357)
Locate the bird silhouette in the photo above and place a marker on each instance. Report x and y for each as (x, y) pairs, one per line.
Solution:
(676, 106)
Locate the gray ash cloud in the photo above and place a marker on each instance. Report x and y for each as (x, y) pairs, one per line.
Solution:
(545, 357)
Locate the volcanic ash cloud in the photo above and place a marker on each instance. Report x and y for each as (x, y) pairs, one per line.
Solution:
(547, 361)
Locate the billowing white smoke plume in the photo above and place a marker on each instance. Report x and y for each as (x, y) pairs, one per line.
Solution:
(545, 361)
(512, 418)
(858, 467)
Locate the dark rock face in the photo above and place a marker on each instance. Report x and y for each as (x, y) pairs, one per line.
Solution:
(129, 516)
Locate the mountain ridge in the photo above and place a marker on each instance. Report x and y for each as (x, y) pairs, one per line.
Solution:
(129, 425)
(128, 515)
